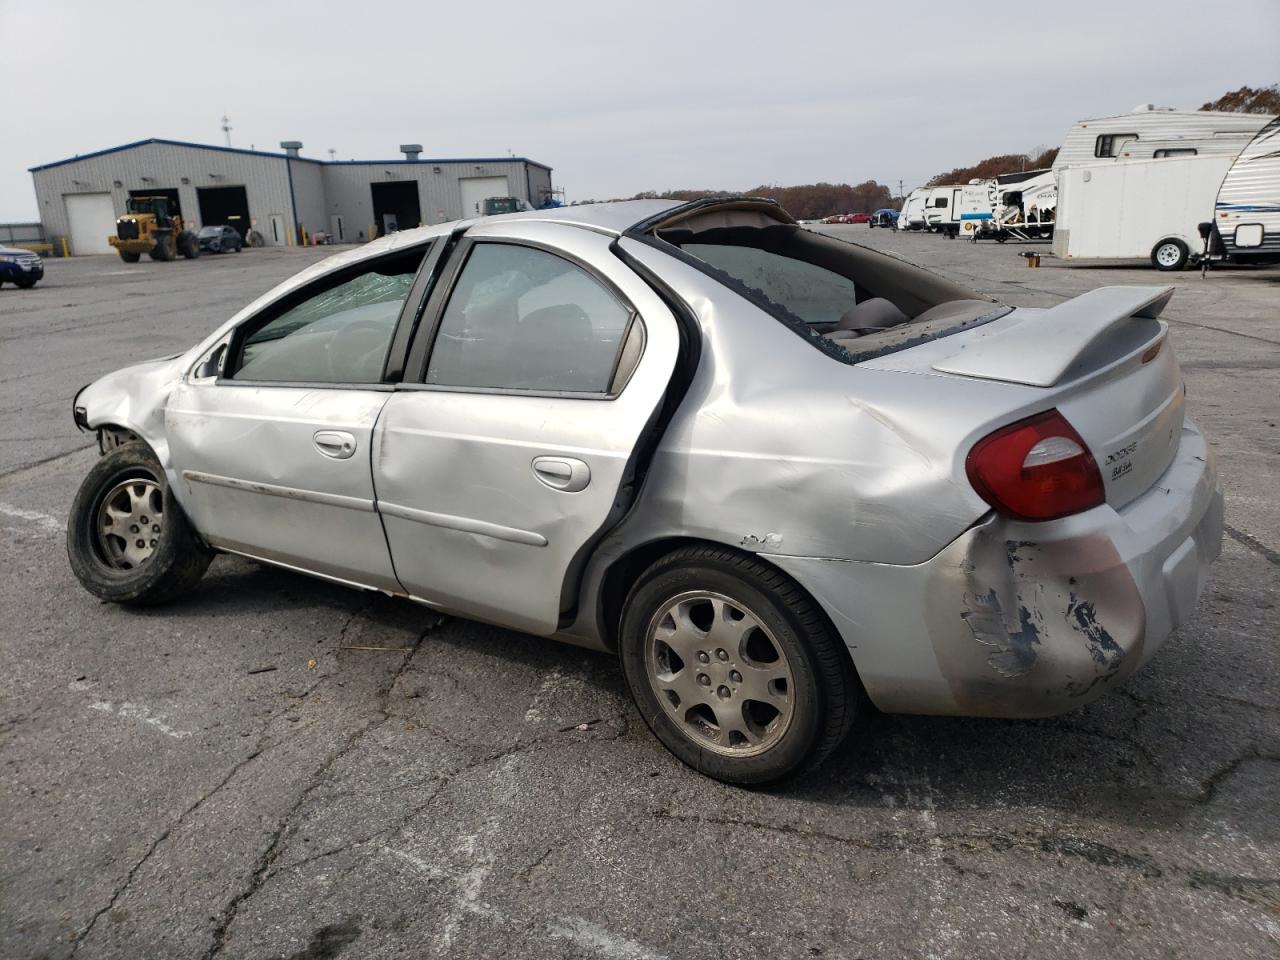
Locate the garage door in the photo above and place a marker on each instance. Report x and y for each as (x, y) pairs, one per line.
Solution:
(93, 219)
(475, 190)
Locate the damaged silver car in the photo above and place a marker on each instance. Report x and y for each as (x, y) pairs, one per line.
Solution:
(771, 470)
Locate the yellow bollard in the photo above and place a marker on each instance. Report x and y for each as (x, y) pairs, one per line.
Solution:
(304, 234)
(64, 248)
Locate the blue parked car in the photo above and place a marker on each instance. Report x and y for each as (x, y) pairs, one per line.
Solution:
(21, 267)
(885, 217)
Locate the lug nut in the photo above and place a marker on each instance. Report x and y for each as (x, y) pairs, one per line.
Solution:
(155, 528)
(144, 519)
(704, 680)
(722, 654)
(133, 528)
(702, 657)
(723, 693)
(142, 544)
(153, 544)
(735, 676)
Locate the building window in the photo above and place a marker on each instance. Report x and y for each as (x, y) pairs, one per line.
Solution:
(1176, 152)
(1106, 144)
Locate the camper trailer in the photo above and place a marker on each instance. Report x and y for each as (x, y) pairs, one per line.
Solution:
(1137, 210)
(1026, 207)
(976, 207)
(912, 215)
(1148, 133)
(1246, 221)
(939, 209)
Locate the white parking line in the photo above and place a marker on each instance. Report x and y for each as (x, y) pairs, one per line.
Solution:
(42, 520)
(592, 936)
(130, 711)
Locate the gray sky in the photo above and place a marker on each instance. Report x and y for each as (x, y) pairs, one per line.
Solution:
(616, 97)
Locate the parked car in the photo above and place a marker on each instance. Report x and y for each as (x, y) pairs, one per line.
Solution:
(884, 217)
(560, 422)
(20, 267)
(220, 239)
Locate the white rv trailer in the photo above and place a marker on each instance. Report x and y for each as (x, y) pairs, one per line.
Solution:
(939, 209)
(976, 207)
(1026, 207)
(1137, 210)
(1148, 133)
(1246, 220)
(912, 215)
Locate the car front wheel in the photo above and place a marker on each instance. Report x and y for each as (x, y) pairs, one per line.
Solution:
(127, 538)
(734, 668)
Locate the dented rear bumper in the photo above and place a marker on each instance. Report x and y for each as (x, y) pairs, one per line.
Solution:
(1029, 619)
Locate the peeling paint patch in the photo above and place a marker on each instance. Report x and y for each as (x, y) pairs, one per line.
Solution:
(1106, 654)
(40, 520)
(1015, 649)
(592, 936)
(137, 711)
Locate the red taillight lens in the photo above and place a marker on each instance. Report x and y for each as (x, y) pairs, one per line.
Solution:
(1036, 469)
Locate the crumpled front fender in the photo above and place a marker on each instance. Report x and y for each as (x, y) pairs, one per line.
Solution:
(134, 398)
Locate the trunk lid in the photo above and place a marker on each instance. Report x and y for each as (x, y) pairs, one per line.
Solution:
(1102, 359)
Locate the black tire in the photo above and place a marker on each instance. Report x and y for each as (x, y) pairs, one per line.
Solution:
(1169, 255)
(26, 283)
(188, 245)
(128, 257)
(826, 688)
(162, 250)
(179, 559)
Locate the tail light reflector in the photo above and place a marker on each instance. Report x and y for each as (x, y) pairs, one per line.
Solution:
(1036, 469)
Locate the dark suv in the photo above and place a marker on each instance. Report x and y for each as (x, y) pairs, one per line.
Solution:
(20, 267)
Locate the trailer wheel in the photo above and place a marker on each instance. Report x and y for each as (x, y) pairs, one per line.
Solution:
(1169, 255)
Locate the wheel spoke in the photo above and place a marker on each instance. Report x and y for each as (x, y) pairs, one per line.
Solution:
(734, 729)
(678, 631)
(728, 627)
(684, 685)
(769, 684)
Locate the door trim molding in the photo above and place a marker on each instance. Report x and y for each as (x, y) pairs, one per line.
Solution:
(463, 524)
(275, 490)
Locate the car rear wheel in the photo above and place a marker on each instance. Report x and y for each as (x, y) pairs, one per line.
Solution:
(734, 668)
(127, 538)
(1169, 255)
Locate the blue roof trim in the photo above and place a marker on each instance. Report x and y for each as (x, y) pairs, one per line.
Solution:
(274, 155)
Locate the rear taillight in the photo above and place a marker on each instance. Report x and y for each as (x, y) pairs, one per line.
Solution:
(1036, 469)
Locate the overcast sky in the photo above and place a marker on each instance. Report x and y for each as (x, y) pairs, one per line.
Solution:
(616, 97)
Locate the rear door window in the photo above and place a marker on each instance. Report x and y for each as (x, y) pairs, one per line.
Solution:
(520, 318)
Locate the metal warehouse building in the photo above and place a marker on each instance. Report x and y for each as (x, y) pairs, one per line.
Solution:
(278, 194)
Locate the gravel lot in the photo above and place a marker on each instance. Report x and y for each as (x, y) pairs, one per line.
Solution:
(223, 777)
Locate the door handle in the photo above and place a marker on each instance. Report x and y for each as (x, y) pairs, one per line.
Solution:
(562, 473)
(335, 444)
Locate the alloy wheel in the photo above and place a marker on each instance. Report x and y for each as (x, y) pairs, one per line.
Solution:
(129, 522)
(719, 673)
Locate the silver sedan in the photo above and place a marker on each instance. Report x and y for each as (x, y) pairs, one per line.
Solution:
(777, 474)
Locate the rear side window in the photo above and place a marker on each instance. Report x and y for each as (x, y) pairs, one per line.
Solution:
(524, 319)
(812, 293)
(1107, 143)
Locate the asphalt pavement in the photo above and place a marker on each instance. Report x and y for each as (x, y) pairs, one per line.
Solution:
(279, 767)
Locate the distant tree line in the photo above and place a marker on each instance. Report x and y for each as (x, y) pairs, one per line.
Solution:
(1039, 159)
(810, 201)
(1248, 100)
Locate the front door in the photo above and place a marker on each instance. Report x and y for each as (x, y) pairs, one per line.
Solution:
(512, 452)
(271, 443)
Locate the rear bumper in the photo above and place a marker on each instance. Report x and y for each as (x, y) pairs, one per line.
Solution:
(1029, 619)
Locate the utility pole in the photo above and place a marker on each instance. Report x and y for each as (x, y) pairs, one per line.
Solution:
(901, 195)
(226, 128)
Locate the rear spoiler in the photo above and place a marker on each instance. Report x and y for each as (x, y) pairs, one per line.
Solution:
(1039, 350)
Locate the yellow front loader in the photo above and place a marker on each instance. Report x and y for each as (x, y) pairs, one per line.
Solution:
(148, 227)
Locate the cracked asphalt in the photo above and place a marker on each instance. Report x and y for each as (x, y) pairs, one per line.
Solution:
(282, 768)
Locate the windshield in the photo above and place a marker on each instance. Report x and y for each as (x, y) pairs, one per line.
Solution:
(210, 231)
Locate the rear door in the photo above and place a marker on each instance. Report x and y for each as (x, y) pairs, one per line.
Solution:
(511, 451)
